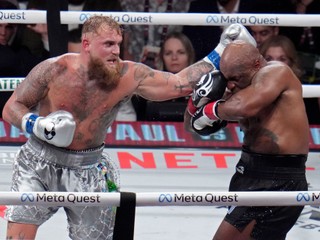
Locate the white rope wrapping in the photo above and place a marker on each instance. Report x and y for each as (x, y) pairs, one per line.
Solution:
(9, 84)
(163, 198)
(142, 18)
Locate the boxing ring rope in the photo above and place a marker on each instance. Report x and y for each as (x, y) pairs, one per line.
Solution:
(9, 84)
(142, 18)
(160, 199)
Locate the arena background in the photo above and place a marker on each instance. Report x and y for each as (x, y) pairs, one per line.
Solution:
(162, 157)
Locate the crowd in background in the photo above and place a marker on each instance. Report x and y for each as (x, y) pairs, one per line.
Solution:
(170, 48)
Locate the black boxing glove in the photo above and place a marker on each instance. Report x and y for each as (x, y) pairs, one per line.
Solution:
(205, 120)
(210, 87)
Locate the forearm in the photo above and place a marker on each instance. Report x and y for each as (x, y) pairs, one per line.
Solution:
(13, 113)
(232, 110)
(194, 72)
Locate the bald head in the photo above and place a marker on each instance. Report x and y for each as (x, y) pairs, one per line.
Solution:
(238, 55)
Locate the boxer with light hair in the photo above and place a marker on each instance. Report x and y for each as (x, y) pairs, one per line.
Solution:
(66, 104)
(266, 99)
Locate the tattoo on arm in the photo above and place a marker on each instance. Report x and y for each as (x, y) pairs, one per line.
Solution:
(197, 70)
(181, 87)
(142, 71)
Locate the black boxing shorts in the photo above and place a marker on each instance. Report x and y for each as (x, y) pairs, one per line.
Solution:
(264, 172)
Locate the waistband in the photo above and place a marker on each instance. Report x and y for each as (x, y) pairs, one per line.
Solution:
(257, 160)
(63, 156)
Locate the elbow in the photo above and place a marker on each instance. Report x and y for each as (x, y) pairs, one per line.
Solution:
(5, 113)
(247, 111)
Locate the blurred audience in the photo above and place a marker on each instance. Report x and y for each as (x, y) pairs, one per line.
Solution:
(176, 53)
(306, 39)
(74, 40)
(15, 59)
(23, 46)
(204, 37)
(35, 36)
(142, 42)
(150, 37)
(281, 48)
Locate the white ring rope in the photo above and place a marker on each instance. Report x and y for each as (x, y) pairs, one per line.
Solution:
(9, 84)
(153, 18)
(293, 198)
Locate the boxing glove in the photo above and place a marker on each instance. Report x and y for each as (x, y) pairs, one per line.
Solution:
(205, 120)
(57, 128)
(210, 87)
(231, 33)
(213, 128)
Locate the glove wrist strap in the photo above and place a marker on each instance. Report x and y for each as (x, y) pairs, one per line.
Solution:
(211, 109)
(28, 122)
(213, 58)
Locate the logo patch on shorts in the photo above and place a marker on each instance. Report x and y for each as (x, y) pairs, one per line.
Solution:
(240, 169)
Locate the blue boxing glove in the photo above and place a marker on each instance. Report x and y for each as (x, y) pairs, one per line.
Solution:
(205, 120)
(231, 33)
(57, 128)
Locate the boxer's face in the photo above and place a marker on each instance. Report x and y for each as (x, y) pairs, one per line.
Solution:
(104, 45)
(237, 73)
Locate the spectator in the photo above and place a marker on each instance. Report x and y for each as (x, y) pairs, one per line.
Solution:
(281, 48)
(262, 33)
(176, 53)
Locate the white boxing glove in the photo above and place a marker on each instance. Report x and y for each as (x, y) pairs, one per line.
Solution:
(57, 128)
(231, 33)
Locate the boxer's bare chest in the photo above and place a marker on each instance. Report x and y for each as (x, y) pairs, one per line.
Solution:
(83, 98)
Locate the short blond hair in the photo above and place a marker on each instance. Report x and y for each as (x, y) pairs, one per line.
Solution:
(94, 23)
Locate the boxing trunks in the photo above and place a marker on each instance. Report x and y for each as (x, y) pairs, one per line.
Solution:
(263, 172)
(40, 166)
